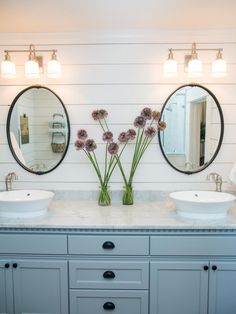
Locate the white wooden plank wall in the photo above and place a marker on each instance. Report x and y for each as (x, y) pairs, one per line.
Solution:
(121, 76)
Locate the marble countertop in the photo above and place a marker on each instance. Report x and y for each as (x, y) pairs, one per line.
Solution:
(142, 215)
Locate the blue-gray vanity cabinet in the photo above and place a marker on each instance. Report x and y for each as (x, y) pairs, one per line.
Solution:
(222, 287)
(6, 288)
(33, 286)
(178, 287)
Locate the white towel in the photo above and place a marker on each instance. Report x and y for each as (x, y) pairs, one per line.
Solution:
(232, 175)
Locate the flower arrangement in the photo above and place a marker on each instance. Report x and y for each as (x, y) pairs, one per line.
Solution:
(144, 135)
(88, 146)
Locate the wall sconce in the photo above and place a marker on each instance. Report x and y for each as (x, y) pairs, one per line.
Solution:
(34, 64)
(193, 65)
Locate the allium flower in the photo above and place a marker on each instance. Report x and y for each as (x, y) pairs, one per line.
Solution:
(107, 136)
(146, 113)
(131, 133)
(113, 148)
(161, 125)
(150, 132)
(79, 144)
(123, 138)
(103, 114)
(156, 115)
(90, 145)
(140, 122)
(82, 134)
(96, 115)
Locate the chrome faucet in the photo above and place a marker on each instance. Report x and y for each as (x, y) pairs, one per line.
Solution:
(9, 179)
(217, 179)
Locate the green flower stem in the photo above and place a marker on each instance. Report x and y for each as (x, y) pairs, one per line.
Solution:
(117, 158)
(105, 171)
(95, 166)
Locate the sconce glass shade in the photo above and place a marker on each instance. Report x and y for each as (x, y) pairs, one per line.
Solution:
(8, 69)
(170, 66)
(219, 66)
(195, 68)
(31, 69)
(54, 69)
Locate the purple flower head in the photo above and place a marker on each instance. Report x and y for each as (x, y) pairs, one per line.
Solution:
(82, 134)
(156, 115)
(79, 144)
(161, 126)
(123, 138)
(96, 115)
(131, 134)
(146, 113)
(140, 122)
(99, 114)
(103, 114)
(90, 145)
(113, 148)
(107, 136)
(150, 132)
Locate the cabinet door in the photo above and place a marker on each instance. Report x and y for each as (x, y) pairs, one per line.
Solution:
(222, 288)
(6, 291)
(40, 287)
(178, 287)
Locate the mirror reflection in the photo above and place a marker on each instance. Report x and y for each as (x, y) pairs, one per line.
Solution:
(194, 128)
(38, 129)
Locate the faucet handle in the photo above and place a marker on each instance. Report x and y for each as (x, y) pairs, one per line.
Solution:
(214, 175)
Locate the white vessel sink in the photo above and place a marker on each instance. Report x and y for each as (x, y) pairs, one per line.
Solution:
(24, 203)
(202, 204)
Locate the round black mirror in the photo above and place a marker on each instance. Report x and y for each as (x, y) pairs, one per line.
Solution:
(195, 128)
(38, 129)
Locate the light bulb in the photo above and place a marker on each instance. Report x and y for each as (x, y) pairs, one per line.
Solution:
(195, 68)
(31, 69)
(54, 67)
(8, 68)
(219, 66)
(170, 66)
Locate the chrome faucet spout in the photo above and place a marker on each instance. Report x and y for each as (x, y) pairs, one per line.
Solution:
(217, 179)
(9, 179)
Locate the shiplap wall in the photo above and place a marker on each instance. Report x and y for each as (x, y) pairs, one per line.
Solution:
(121, 73)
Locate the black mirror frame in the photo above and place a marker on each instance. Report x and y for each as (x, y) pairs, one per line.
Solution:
(8, 129)
(221, 133)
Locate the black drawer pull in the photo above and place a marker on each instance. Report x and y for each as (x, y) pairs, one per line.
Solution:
(214, 267)
(109, 306)
(14, 265)
(109, 274)
(7, 265)
(108, 245)
(205, 267)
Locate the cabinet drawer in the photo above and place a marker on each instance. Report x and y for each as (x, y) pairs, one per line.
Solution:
(108, 274)
(193, 245)
(106, 301)
(108, 245)
(33, 243)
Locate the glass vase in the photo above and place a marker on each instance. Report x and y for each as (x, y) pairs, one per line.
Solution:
(128, 195)
(104, 198)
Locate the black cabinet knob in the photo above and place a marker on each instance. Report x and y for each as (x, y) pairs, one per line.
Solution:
(7, 265)
(205, 267)
(109, 274)
(108, 245)
(214, 267)
(109, 306)
(14, 265)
